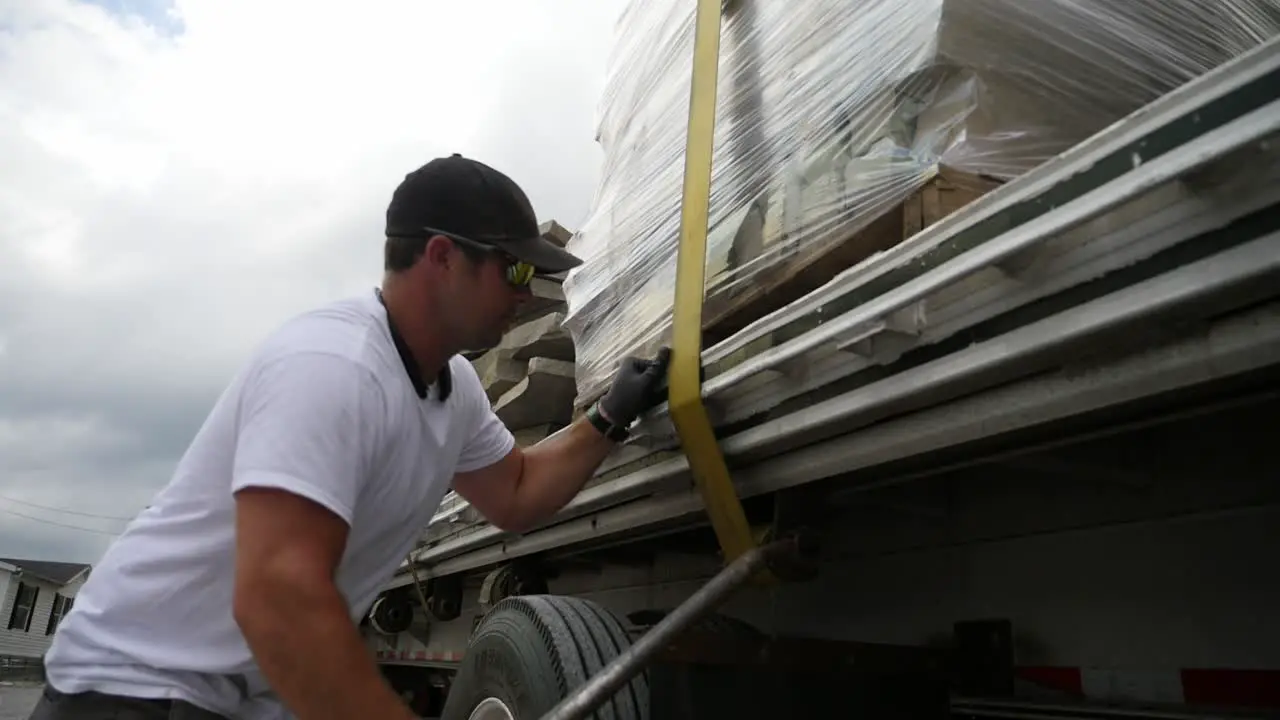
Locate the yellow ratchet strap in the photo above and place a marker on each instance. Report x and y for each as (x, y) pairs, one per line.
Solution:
(684, 374)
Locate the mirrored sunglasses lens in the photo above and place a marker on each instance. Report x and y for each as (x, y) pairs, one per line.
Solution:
(521, 273)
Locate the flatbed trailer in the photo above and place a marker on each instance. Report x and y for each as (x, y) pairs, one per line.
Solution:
(1030, 453)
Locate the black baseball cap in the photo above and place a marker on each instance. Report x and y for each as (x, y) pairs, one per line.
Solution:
(467, 198)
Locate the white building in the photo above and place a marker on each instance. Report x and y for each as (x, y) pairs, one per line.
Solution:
(34, 597)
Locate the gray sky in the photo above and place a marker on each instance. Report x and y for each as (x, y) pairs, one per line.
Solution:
(179, 178)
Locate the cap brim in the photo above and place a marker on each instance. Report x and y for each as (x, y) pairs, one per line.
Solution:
(543, 254)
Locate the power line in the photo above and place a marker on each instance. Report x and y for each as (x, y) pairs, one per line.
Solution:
(62, 510)
(58, 524)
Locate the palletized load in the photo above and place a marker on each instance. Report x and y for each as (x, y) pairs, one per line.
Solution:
(844, 127)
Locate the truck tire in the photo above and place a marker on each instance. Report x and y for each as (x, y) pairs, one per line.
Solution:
(391, 614)
(531, 651)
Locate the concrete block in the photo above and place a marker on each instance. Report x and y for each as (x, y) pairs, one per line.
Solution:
(543, 397)
(555, 232)
(499, 372)
(558, 234)
(507, 364)
(542, 337)
(547, 298)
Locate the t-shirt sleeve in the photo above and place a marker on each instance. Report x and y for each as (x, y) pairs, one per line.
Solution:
(488, 439)
(308, 425)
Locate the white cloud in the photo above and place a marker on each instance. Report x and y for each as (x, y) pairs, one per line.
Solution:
(167, 199)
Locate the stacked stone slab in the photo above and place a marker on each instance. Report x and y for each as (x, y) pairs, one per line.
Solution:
(529, 376)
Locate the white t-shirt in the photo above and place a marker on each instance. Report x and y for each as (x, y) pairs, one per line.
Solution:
(324, 409)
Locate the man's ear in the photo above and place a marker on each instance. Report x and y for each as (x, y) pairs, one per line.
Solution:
(438, 251)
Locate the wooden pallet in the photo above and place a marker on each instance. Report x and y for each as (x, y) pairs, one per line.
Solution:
(846, 246)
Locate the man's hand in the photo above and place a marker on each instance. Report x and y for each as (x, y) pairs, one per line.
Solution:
(639, 385)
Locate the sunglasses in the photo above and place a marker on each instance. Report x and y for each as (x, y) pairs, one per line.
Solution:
(518, 272)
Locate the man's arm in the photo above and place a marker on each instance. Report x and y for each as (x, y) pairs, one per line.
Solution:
(529, 485)
(307, 435)
(292, 615)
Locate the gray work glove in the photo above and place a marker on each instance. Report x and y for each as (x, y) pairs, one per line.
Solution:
(639, 385)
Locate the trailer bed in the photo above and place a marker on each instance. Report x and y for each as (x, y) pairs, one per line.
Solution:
(1143, 262)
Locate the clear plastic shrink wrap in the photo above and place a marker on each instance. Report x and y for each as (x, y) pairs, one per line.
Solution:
(832, 113)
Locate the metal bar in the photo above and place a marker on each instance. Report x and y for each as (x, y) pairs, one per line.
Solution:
(688, 413)
(1127, 247)
(1145, 373)
(1238, 346)
(1255, 262)
(1243, 131)
(586, 698)
(1021, 714)
(985, 707)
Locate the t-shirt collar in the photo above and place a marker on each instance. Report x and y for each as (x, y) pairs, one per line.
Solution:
(444, 383)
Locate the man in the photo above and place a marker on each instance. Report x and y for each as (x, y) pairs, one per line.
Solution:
(238, 591)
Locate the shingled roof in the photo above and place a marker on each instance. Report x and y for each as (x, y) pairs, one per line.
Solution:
(59, 573)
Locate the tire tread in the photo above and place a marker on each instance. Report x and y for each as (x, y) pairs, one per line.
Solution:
(582, 637)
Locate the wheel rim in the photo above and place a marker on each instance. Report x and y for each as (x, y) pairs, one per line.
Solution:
(491, 709)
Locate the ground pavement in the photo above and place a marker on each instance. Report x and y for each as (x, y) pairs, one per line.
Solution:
(18, 698)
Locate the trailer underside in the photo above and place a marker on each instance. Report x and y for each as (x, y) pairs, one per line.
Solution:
(1124, 556)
